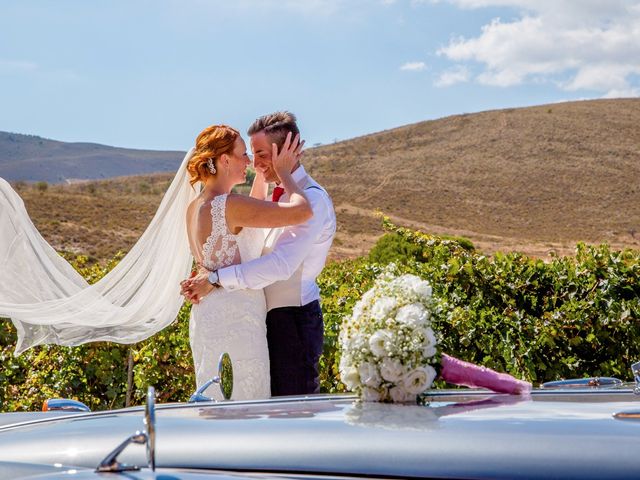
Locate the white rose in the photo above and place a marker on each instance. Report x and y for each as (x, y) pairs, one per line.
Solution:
(369, 375)
(383, 307)
(371, 395)
(352, 343)
(345, 362)
(350, 377)
(391, 369)
(357, 310)
(412, 315)
(408, 283)
(377, 342)
(418, 380)
(367, 297)
(429, 345)
(400, 395)
(424, 290)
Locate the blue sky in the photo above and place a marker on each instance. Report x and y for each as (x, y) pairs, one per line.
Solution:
(152, 74)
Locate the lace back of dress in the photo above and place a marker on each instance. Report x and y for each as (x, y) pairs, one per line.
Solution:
(221, 248)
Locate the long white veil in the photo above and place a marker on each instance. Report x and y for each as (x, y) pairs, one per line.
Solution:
(49, 302)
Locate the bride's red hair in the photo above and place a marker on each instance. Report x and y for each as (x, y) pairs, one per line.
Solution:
(212, 142)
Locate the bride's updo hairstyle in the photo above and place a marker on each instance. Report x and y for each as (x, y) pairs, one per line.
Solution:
(212, 142)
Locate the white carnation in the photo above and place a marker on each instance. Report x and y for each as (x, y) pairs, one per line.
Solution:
(350, 377)
(371, 395)
(391, 369)
(369, 374)
(367, 297)
(378, 341)
(407, 283)
(356, 342)
(358, 309)
(400, 395)
(414, 315)
(430, 343)
(383, 307)
(345, 361)
(418, 380)
(424, 290)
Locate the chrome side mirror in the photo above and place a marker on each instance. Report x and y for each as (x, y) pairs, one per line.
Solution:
(65, 404)
(224, 379)
(111, 463)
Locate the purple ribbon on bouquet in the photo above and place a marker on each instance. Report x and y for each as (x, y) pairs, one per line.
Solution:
(459, 372)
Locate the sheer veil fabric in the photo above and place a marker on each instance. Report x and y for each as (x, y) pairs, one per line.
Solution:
(49, 302)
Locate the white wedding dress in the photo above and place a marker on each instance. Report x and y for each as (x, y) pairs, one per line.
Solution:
(231, 321)
(49, 302)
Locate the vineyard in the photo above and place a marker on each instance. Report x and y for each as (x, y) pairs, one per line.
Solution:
(572, 316)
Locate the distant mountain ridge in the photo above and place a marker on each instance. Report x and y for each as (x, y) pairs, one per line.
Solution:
(33, 158)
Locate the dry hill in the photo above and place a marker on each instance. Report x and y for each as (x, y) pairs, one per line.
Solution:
(531, 179)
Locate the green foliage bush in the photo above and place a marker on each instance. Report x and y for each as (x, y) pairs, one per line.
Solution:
(41, 186)
(571, 316)
(96, 373)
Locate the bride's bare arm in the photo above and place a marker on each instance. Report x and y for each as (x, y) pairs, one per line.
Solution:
(259, 187)
(243, 211)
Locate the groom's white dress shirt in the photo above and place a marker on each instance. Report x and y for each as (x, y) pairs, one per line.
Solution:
(293, 256)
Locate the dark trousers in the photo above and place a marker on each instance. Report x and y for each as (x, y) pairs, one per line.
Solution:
(295, 336)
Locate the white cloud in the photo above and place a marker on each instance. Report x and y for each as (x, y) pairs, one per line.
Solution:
(414, 66)
(579, 44)
(457, 74)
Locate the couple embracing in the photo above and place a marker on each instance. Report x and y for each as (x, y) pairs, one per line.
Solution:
(258, 258)
(254, 294)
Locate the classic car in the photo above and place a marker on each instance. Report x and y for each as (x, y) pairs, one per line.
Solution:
(583, 428)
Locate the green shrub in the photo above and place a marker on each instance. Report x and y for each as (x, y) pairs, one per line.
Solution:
(41, 186)
(569, 317)
(572, 316)
(96, 373)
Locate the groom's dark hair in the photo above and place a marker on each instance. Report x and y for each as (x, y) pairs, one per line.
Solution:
(276, 126)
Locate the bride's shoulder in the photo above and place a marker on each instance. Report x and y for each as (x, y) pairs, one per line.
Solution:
(235, 199)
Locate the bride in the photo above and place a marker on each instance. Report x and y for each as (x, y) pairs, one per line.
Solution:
(50, 303)
(226, 229)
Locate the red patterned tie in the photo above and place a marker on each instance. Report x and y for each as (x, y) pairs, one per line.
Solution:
(277, 193)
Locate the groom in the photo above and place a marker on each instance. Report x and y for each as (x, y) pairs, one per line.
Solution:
(292, 259)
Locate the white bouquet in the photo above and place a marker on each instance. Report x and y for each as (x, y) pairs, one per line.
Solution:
(388, 345)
